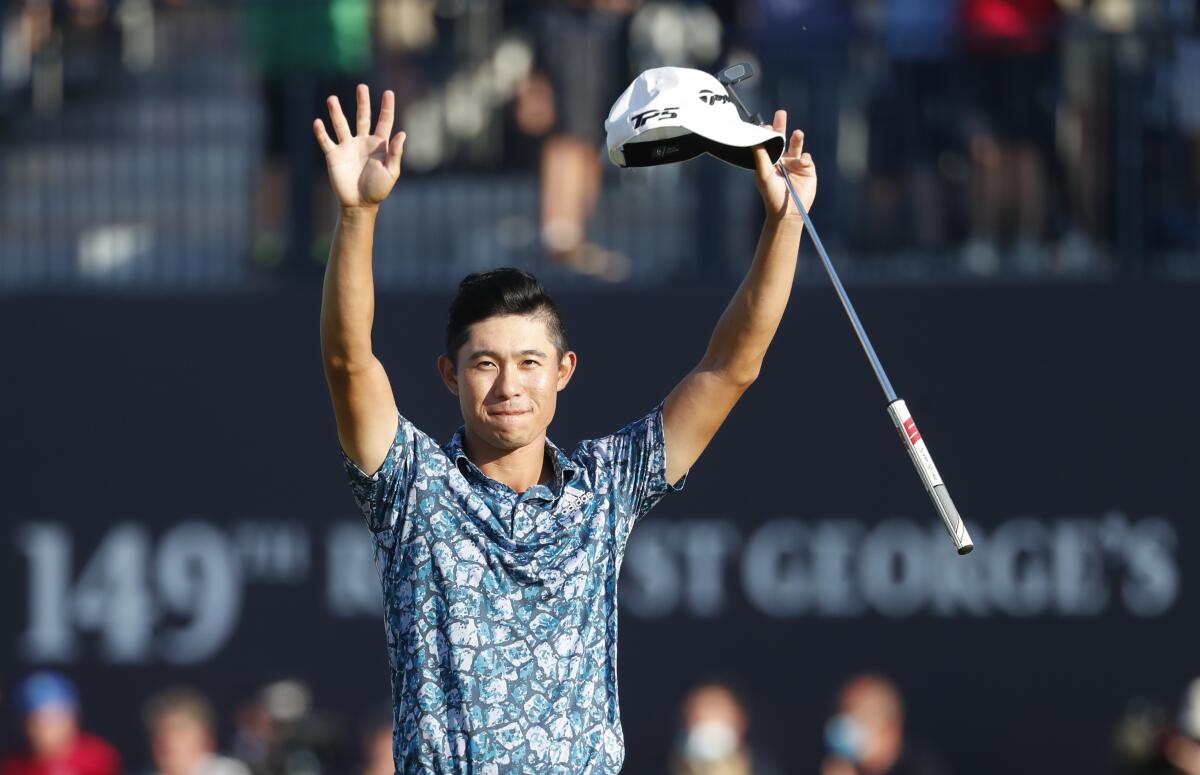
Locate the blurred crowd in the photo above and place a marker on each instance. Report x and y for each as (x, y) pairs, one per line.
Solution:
(278, 731)
(864, 736)
(1019, 136)
(1151, 739)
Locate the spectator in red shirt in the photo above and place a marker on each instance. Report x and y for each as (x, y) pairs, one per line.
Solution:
(1013, 64)
(57, 746)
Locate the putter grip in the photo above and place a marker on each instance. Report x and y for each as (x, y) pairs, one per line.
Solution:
(923, 461)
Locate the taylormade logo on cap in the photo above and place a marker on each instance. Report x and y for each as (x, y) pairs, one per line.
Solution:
(672, 114)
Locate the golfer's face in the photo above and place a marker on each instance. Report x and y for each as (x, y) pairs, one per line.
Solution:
(509, 374)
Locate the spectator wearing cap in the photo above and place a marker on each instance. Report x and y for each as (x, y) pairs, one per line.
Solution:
(56, 744)
(181, 726)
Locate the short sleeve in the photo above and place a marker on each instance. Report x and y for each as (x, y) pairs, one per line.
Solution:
(381, 496)
(636, 457)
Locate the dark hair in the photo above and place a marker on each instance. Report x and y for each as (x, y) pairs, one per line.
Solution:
(503, 291)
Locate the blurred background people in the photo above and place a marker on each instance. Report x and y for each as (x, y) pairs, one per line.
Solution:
(804, 47)
(1186, 88)
(56, 745)
(278, 731)
(713, 739)
(866, 736)
(580, 56)
(377, 744)
(1012, 48)
(990, 130)
(911, 133)
(304, 51)
(1149, 740)
(1138, 740)
(1183, 746)
(183, 737)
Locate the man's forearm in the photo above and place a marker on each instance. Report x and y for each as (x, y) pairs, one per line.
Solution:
(348, 297)
(749, 323)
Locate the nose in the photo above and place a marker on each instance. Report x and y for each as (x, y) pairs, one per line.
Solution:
(508, 383)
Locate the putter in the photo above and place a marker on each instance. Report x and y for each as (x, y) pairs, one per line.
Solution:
(896, 408)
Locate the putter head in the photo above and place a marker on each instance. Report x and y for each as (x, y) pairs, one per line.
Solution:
(736, 74)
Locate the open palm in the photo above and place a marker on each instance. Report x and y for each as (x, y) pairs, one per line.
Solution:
(363, 166)
(800, 169)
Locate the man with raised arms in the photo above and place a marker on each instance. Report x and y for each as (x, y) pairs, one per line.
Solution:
(498, 552)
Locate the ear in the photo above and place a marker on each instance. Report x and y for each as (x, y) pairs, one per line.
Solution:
(566, 368)
(445, 367)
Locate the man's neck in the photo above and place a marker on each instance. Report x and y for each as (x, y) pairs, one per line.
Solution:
(520, 468)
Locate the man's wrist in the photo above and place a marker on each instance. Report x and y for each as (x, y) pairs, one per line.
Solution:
(787, 220)
(360, 212)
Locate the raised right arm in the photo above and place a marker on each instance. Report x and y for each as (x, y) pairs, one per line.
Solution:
(363, 167)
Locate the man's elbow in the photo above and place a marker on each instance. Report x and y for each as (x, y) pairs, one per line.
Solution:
(743, 379)
(342, 364)
(738, 376)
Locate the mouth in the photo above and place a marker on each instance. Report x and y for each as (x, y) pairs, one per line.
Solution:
(509, 414)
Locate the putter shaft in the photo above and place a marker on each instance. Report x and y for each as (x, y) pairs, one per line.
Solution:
(863, 339)
(917, 450)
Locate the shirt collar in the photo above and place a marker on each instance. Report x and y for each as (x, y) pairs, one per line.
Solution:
(564, 469)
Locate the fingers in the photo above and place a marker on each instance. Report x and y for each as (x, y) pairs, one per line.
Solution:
(800, 165)
(795, 160)
(387, 114)
(395, 151)
(338, 119)
(363, 115)
(323, 140)
(780, 122)
(762, 162)
(796, 145)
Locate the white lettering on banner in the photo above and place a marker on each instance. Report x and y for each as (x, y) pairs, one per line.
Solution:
(650, 566)
(789, 567)
(178, 597)
(199, 582)
(777, 569)
(270, 552)
(50, 636)
(836, 547)
(706, 548)
(894, 574)
(698, 582)
(1153, 580)
(1079, 588)
(178, 600)
(1018, 560)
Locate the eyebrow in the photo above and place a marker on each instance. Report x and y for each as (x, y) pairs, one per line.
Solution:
(494, 354)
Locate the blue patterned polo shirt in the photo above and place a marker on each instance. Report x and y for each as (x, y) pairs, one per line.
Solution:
(501, 607)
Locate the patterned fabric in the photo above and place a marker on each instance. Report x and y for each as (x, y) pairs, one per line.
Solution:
(501, 607)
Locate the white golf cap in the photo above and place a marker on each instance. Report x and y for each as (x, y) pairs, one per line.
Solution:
(672, 114)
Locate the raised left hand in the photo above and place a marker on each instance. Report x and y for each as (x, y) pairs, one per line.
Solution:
(800, 167)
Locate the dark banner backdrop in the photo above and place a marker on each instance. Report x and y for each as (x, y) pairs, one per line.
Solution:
(174, 509)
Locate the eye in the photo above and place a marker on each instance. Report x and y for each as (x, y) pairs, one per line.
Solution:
(529, 361)
(484, 364)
